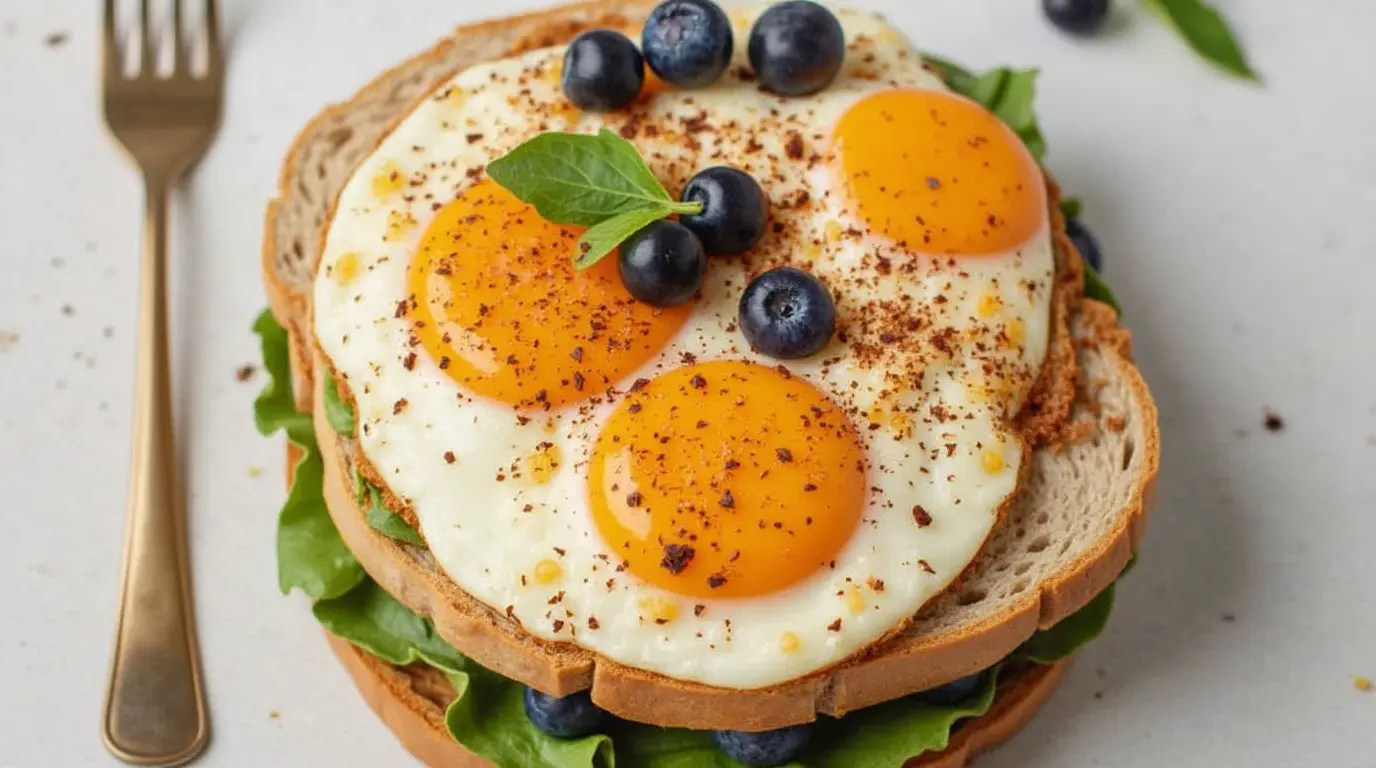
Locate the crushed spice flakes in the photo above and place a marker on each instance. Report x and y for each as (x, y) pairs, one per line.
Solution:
(1272, 420)
(676, 558)
(921, 516)
(244, 373)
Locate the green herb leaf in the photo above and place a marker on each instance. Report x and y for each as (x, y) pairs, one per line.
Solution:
(275, 407)
(1008, 93)
(1071, 207)
(577, 179)
(1207, 33)
(337, 412)
(1097, 289)
(311, 556)
(1049, 646)
(383, 520)
(373, 620)
(604, 237)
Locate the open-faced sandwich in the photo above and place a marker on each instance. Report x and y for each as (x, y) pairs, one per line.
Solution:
(675, 386)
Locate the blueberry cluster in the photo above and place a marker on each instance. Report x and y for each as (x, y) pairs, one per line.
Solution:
(795, 48)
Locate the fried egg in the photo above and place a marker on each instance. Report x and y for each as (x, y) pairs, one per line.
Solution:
(637, 481)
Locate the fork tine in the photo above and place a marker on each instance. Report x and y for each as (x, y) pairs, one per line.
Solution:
(180, 54)
(112, 58)
(147, 55)
(212, 33)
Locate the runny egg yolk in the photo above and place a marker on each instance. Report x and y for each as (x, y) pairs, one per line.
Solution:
(726, 479)
(497, 304)
(938, 173)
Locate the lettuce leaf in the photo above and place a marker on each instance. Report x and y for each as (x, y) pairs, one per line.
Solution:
(1097, 289)
(337, 412)
(311, 556)
(1049, 646)
(385, 521)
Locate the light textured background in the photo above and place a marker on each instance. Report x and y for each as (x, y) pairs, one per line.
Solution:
(1238, 223)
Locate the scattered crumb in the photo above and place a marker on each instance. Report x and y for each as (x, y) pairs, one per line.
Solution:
(274, 714)
(1240, 433)
(255, 471)
(1363, 684)
(109, 332)
(244, 373)
(1099, 695)
(1371, 440)
(68, 310)
(55, 40)
(8, 340)
(102, 406)
(1272, 420)
(57, 262)
(1229, 618)
(1101, 672)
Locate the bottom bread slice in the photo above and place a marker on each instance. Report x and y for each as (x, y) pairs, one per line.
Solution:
(411, 701)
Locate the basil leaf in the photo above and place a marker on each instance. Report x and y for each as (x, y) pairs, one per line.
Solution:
(1207, 33)
(337, 412)
(577, 179)
(605, 236)
(388, 523)
(1071, 207)
(1097, 289)
(1049, 646)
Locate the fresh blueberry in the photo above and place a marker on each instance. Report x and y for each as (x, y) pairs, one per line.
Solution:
(796, 48)
(734, 209)
(1076, 16)
(787, 313)
(662, 264)
(1085, 243)
(603, 71)
(569, 717)
(766, 748)
(952, 693)
(687, 42)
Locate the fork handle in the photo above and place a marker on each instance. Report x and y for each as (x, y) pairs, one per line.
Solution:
(154, 706)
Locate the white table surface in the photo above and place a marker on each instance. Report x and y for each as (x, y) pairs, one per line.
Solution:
(1239, 228)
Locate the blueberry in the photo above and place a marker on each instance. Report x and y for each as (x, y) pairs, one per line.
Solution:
(1084, 243)
(766, 748)
(796, 48)
(569, 717)
(787, 313)
(734, 209)
(1076, 16)
(662, 264)
(687, 42)
(603, 71)
(952, 693)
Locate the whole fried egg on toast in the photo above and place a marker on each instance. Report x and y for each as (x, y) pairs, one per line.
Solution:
(636, 480)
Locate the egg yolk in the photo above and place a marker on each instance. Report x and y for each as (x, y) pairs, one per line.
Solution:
(726, 479)
(937, 173)
(496, 303)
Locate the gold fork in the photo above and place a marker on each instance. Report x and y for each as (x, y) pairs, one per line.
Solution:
(155, 710)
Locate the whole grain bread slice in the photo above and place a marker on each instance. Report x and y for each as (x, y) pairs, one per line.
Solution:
(1067, 535)
(411, 701)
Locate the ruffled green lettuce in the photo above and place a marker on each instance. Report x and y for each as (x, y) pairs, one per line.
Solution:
(311, 556)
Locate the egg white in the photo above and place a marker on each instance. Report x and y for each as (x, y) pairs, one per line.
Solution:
(488, 534)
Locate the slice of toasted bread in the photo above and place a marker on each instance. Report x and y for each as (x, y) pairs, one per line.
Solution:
(1067, 535)
(411, 701)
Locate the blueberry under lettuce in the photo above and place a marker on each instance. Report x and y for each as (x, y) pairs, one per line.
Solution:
(507, 723)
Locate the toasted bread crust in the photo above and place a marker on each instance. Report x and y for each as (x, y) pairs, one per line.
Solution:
(903, 665)
(411, 702)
